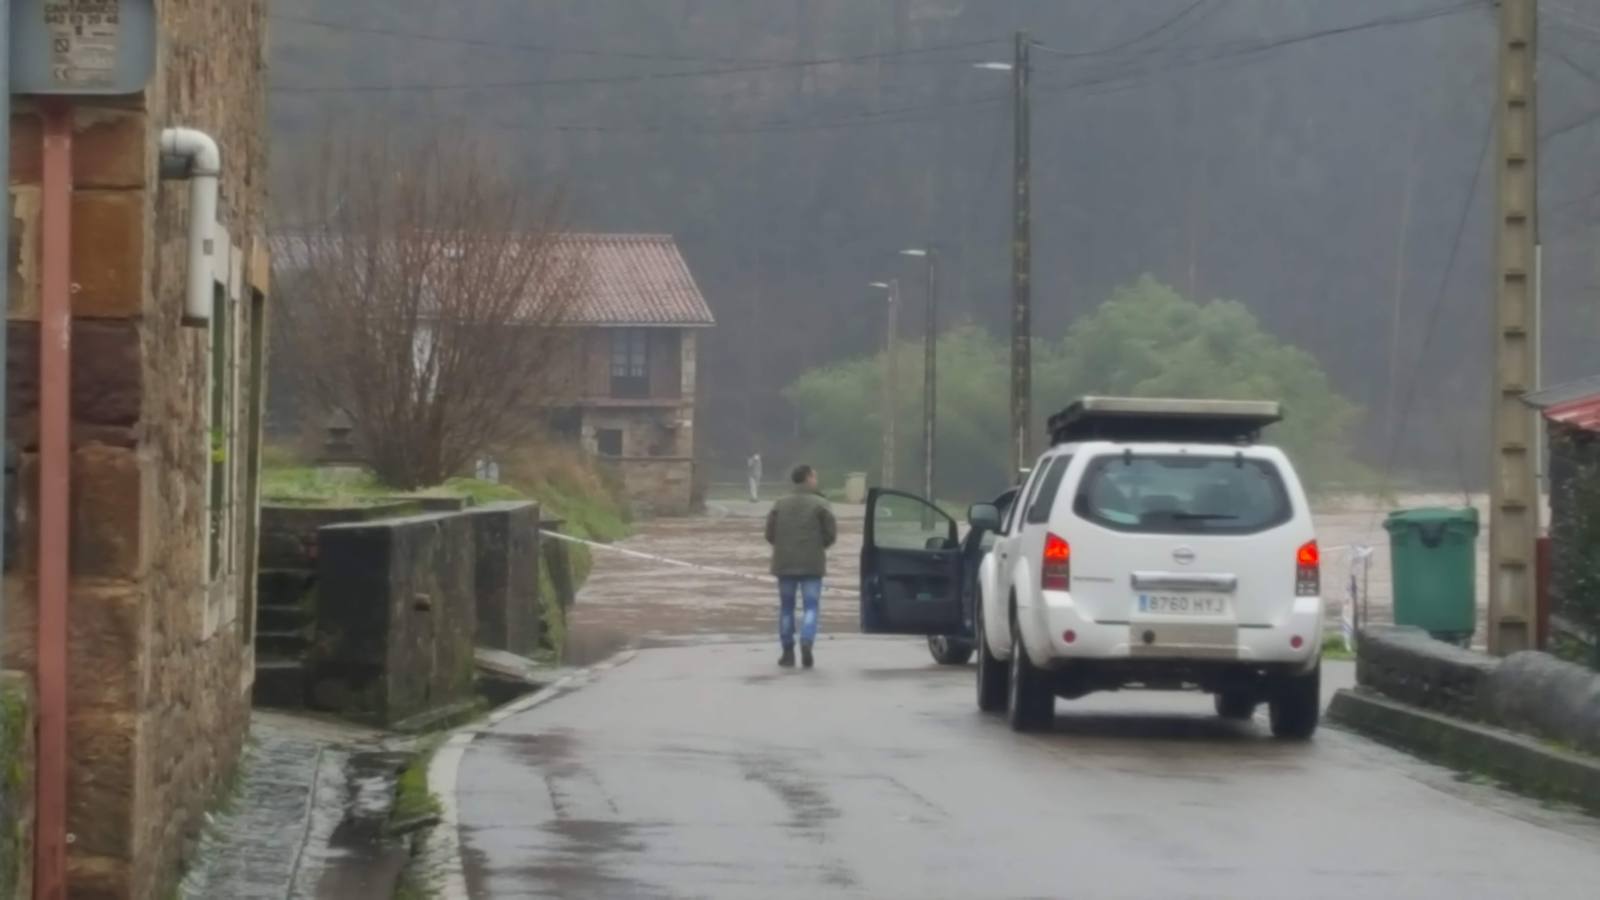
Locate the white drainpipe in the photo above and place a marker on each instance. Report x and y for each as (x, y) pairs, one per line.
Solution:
(201, 163)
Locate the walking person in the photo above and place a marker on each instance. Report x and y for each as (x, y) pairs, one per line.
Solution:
(752, 468)
(800, 528)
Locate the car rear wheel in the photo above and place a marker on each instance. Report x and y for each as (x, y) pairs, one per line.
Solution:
(949, 651)
(1296, 705)
(1236, 705)
(1030, 703)
(994, 679)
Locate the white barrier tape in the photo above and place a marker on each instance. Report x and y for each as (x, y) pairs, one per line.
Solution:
(768, 580)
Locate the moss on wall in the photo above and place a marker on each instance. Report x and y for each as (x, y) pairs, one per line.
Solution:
(16, 785)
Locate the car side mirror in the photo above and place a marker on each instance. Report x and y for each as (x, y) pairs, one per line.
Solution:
(984, 517)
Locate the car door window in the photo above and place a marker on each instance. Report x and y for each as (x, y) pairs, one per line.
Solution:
(901, 522)
(1045, 499)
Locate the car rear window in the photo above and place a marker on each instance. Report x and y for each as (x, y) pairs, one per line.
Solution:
(1049, 486)
(1183, 494)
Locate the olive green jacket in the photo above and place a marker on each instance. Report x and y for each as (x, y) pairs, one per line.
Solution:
(800, 529)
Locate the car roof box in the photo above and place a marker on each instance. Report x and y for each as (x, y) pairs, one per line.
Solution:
(1179, 421)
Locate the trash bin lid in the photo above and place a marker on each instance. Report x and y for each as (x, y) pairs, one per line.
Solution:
(1433, 517)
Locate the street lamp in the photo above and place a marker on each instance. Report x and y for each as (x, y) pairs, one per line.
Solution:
(1021, 252)
(891, 381)
(930, 366)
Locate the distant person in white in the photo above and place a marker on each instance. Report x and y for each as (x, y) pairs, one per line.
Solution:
(752, 468)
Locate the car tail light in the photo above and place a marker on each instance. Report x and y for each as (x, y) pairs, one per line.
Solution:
(1057, 563)
(1308, 570)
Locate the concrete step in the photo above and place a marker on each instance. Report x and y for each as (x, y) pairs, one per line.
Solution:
(284, 587)
(289, 644)
(280, 683)
(282, 618)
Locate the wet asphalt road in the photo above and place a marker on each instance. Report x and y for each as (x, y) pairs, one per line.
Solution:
(699, 769)
(704, 771)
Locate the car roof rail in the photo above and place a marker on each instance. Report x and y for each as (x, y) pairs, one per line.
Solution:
(1164, 420)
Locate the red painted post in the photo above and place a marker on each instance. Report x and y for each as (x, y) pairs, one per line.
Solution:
(55, 469)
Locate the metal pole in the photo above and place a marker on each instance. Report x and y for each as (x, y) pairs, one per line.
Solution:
(1022, 264)
(891, 385)
(930, 378)
(1514, 516)
(55, 400)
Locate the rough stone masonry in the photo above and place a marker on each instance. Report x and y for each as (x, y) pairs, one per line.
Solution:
(159, 656)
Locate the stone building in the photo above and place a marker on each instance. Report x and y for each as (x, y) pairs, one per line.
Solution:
(632, 398)
(164, 425)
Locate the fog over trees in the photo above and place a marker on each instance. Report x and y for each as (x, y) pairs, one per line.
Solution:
(1327, 165)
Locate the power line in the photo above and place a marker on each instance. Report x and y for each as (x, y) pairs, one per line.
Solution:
(427, 37)
(1434, 312)
(1246, 48)
(1106, 83)
(624, 79)
(1123, 45)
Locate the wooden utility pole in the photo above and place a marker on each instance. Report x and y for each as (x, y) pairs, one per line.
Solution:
(1513, 531)
(1021, 265)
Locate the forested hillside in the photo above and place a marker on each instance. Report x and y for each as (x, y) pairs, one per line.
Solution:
(1323, 163)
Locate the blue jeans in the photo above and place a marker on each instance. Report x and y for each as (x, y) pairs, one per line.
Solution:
(810, 590)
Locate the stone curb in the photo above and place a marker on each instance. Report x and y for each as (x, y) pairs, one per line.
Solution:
(441, 854)
(1522, 763)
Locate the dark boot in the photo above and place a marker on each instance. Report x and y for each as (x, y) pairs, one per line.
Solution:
(805, 656)
(787, 659)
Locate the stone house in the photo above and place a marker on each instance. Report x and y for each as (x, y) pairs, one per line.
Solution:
(631, 396)
(164, 450)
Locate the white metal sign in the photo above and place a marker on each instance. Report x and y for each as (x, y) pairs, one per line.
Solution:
(81, 46)
(84, 36)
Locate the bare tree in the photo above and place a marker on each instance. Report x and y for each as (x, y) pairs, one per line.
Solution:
(424, 287)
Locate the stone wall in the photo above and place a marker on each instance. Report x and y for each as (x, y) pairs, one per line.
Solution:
(658, 487)
(16, 785)
(1407, 664)
(396, 616)
(1575, 528)
(158, 695)
(506, 550)
(1530, 692)
(286, 587)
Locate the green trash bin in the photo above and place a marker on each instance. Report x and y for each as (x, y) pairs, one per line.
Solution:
(1434, 570)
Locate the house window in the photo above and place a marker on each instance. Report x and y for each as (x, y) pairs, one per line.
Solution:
(630, 363)
(219, 443)
(608, 442)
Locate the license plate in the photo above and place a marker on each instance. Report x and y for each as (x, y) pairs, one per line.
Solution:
(1183, 604)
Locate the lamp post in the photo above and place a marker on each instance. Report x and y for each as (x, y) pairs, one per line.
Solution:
(930, 368)
(891, 381)
(1021, 253)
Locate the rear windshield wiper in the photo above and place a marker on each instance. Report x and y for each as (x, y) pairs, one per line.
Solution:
(1202, 517)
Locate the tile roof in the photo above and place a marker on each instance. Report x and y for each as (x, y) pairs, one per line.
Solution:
(631, 279)
(1576, 403)
(636, 279)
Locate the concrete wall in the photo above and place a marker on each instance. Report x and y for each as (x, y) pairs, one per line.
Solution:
(396, 616)
(161, 665)
(506, 577)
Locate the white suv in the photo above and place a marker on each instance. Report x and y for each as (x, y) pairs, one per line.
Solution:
(1155, 545)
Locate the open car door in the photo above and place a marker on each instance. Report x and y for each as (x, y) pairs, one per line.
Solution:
(911, 567)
